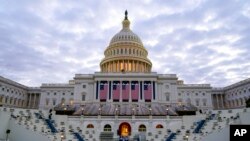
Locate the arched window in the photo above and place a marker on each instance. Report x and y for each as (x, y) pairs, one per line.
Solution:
(159, 126)
(107, 128)
(90, 126)
(142, 128)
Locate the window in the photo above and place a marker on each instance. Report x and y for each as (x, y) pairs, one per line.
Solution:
(90, 126)
(197, 102)
(142, 128)
(204, 102)
(54, 93)
(47, 93)
(196, 94)
(47, 101)
(6, 99)
(83, 97)
(179, 94)
(84, 86)
(72, 93)
(54, 101)
(63, 93)
(159, 126)
(3, 89)
(203, 94)
(107, 128)
(167, 96)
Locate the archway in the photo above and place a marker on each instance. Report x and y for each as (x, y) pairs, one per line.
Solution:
(124, 129)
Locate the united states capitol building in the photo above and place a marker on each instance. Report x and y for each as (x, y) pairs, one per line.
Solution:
(124, 101)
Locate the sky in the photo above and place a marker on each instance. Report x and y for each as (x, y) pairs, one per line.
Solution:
(49, 41)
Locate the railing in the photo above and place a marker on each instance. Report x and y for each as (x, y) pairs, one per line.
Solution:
(171, 137)
(51, 126)
(77, 135)
(200, 125)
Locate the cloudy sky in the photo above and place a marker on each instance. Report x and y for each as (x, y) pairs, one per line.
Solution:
(49, 41)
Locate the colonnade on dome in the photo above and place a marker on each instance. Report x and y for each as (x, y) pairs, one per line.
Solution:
(124, 65)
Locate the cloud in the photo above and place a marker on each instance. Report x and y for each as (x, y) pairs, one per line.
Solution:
(199, 40)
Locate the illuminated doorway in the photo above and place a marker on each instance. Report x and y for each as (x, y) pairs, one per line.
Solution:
(124, 129)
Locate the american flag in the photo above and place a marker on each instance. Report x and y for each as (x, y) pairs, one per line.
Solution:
(116, 90)
(125, 90)
(103, 90)
(147, 91)
(135, 90)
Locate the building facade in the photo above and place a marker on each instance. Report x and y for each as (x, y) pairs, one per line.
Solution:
(125, 77)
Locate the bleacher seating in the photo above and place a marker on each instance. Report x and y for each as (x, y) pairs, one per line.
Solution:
(209, 122)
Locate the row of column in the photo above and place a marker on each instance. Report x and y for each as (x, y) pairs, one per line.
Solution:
(33, 100)
(126, 65)
(140, 92)
(12, 101)
(219, 101)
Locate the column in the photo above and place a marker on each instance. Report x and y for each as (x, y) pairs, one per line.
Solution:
(107, 98)
(136, 70)
(156, 88)
(217, 101)
(139, 83)
(29, 105)
(130, 99)
(143, 98)
(111, 90)
(34, 103)
(152, 93)
(123, 65)
(99, 90)
(222, 101)
(120, 99)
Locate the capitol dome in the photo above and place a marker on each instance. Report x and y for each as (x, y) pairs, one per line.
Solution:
(126, 52)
